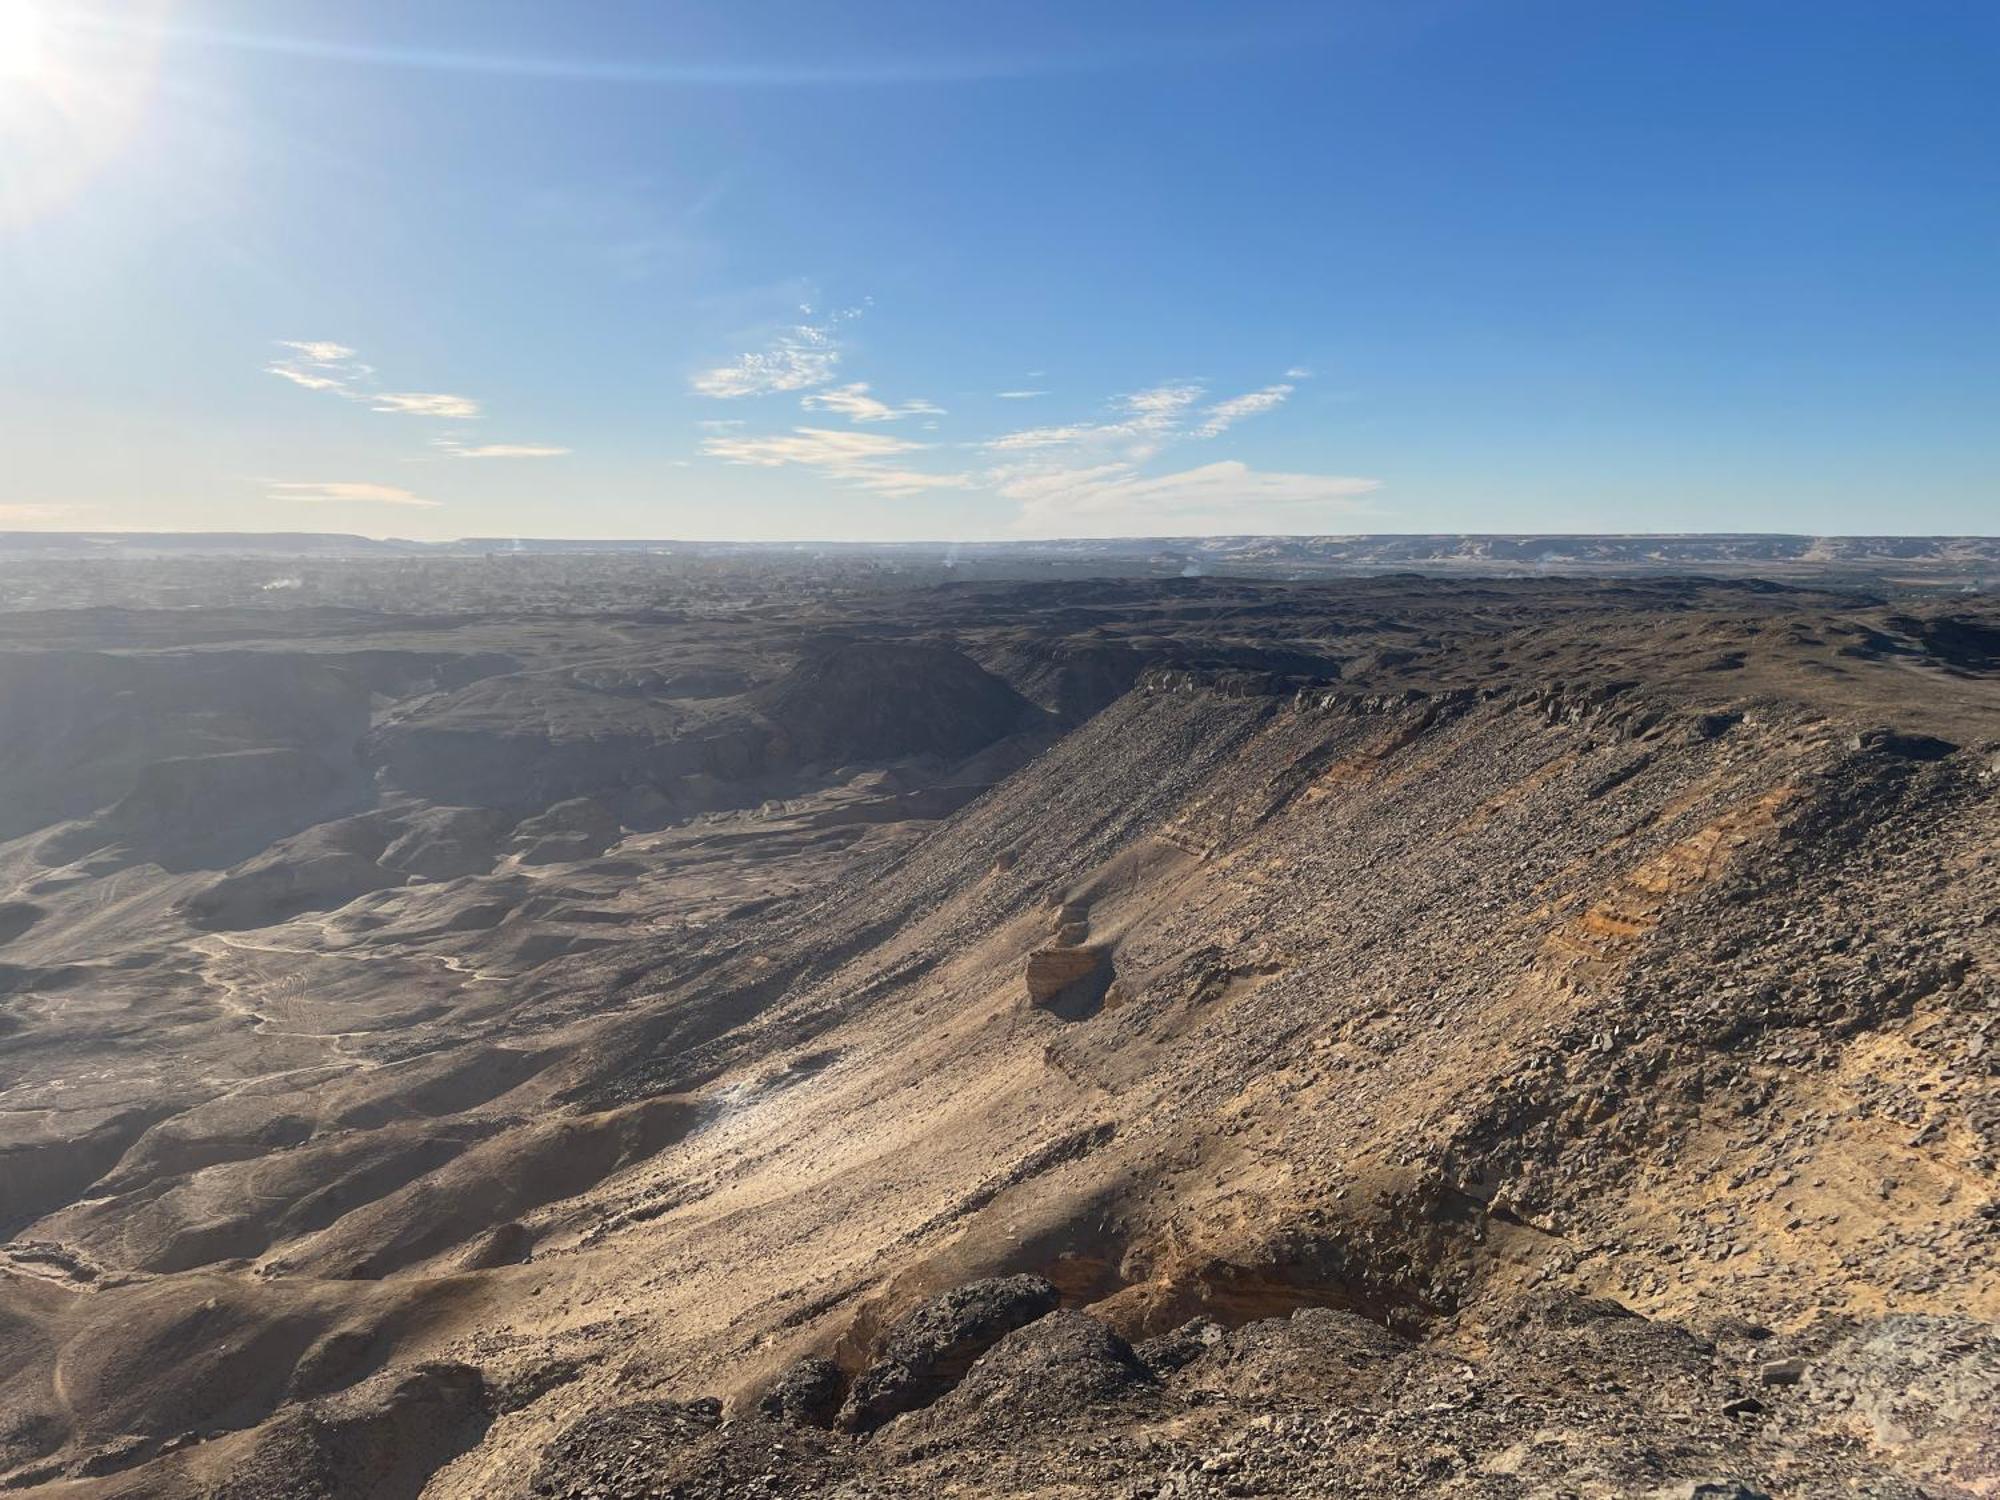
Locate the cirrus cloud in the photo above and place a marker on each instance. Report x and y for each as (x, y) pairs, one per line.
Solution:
(1220, 417)
(854, 403)
(320, 365)
(37, 510)
(797, 359)
(1229, 497)
(345, 492)
(856, 458)
(1144, 420)
(424, 404)
(457, 449)
(1095, 475)
(323, 365)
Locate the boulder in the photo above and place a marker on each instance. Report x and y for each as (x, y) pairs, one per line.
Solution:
(929, 1349)
(1055, 969)
(1051, 1367)
(806, 1395)
(1181, 1346)
(1902, 746)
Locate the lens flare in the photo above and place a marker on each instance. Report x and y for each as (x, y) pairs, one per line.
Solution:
(71, 97)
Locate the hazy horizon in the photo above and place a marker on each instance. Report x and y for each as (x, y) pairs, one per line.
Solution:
(917, 274)
(944, 540)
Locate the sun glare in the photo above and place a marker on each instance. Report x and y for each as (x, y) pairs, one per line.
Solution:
(24, 40)
(71, 99)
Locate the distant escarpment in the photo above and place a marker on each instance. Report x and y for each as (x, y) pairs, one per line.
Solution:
(534, 739)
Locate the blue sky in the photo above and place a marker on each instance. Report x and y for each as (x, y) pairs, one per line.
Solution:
(788, 270)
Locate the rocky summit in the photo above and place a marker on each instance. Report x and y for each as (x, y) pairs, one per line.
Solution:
(878, 1036)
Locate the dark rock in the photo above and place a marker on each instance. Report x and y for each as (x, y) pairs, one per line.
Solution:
(384, 1439)
(1052, 1366)
(613, 1452)
(1170, 1351)
(1577, 1312)
(1712, 726)
(1053, 970)
(931, 1347)
(750, 1458)
(1316, 1349)
(806, 1395)
(1902, 746)
(1782, 1371)
(509, 1244)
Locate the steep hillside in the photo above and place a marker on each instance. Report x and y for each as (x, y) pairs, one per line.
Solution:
(1492, 1042)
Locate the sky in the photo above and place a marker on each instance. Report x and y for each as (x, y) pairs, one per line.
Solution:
(779, 269)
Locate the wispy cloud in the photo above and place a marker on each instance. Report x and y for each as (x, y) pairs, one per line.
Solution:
(322, 365)
(1224, 414)
(683, 71)
(502, 450)
(856, 458)
(345, 492)
(12, 512)
(821, 447)
(1089, 477)
(319, 351)
(901, 482)
(799, 358)
(1221, 498)
(854, 403)
(1144, 419)
(792, 366)
(1042, 437)
(1093, 479)
(1160, 407)
(425, 404)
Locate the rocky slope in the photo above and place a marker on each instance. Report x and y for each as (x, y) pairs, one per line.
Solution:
(1467, 1039)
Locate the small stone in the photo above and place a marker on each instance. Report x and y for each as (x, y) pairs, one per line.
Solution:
(1782, 1371)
